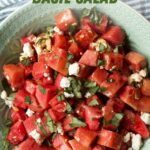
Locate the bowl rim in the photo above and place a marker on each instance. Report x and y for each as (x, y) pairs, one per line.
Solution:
(28, 4)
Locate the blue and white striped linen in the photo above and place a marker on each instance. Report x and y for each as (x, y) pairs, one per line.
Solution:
(8, 6)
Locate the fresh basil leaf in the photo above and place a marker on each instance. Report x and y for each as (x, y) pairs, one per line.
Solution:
(41, 128)
(55, 74)
(101, 62)
(94, 90)
(95, 16)
(42, 90)
(77, 123)
(68, 108)
(85, 12)
(101, 48)
(28, 100)
(61, 97)
(26, 61)
(89, 84)
(102, 89)
(50, 123)
(72, 29)
(94, 102)
(6, 86)
(70, 56)
(116, 119)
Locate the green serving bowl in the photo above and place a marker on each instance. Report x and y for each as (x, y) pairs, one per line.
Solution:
(33, 18)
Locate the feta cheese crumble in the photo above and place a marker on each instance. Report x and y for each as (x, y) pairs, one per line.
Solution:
(74, 69)
(87, 95)
(146, 118)
(35, 135)
(127, 137)
(68, 95)
(57, 30)
(28, 50)
(3, 94)
(135, 77)
(136, 141)
(65, 82)
(29, 112)
(8, 100)
(39, 120)
(143, 73)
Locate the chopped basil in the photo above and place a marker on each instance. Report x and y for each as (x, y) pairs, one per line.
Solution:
(72, 29)
(101, 48)
(116, 119)
(27, 100)
(70, 56)
(43, 90)
(94, 102)
(102, 89)
(41, 128)
(50, 123)
(89, 84)
(93, 14)
(77, 123)
(75, 87)
(94, 90)
(101, 62)
(61, 97)
(85, 12)
(26, 61)
(68, 108)
(55, 74)
(110, 80)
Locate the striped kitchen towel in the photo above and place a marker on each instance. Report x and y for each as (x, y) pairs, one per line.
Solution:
(8, 6)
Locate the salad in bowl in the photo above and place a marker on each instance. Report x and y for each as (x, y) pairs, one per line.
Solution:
(78, 86)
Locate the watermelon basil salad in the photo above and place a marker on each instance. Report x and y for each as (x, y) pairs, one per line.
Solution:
(78, 86)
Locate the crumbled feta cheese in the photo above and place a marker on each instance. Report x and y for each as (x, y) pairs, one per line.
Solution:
(74, 69)
(57, 30)
(146, 118)
(143, 73)
(68, 95)
(35, 135)
(6, 99)
(65, 82)
(9, 103)
(3, 94)
(39, 120)
(13, 89)
(28, 50)
(29, 112)
(127, 137)
(46, 74)
(135, 77)
(87, 95)
(136, 141)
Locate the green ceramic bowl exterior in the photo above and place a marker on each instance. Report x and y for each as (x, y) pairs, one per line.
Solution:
(32, 18)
